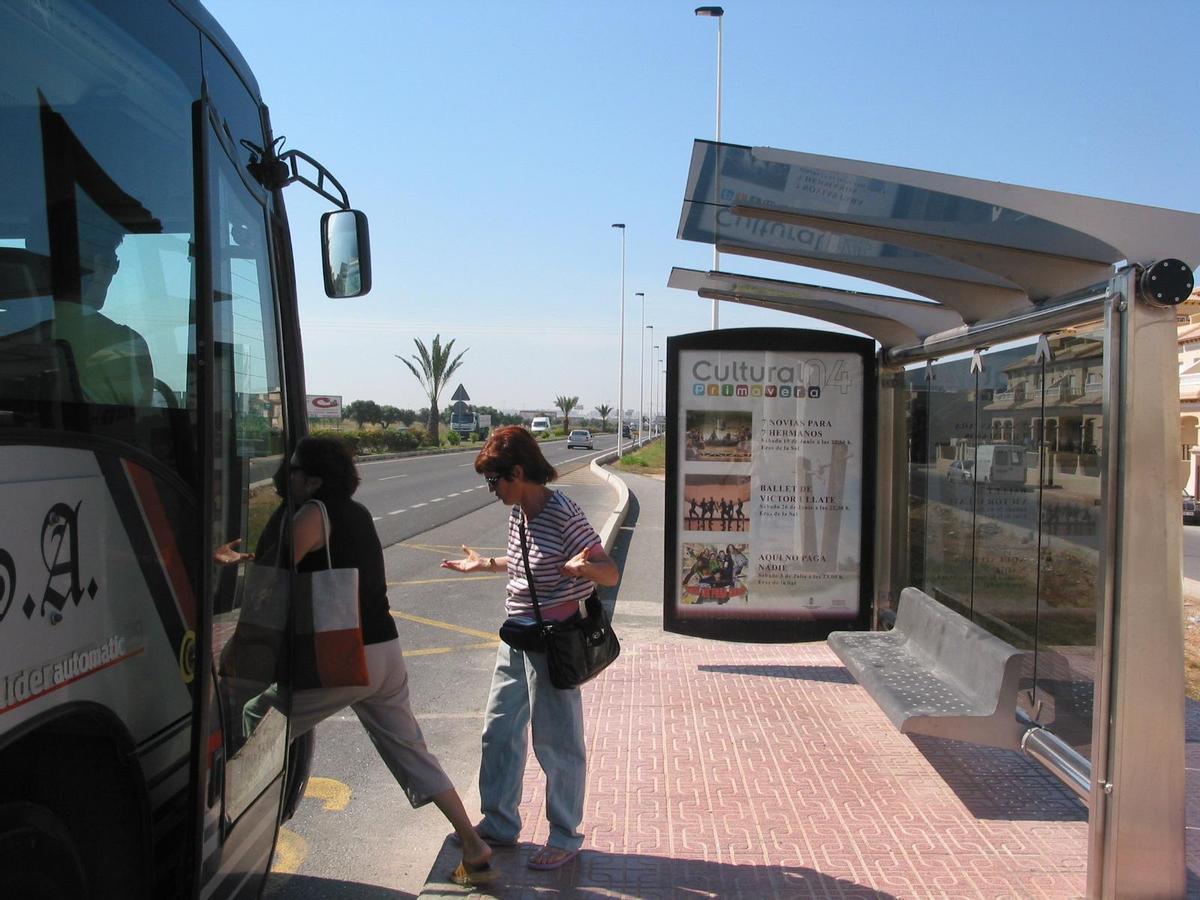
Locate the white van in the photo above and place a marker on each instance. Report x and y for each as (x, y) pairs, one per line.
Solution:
(1000, 464)
(540, 425)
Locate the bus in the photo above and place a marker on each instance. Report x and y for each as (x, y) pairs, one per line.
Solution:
(151, 389)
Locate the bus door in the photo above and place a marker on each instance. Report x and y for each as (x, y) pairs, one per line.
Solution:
(248, 511)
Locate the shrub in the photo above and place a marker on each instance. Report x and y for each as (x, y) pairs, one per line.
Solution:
(453, 438)
(401, 440)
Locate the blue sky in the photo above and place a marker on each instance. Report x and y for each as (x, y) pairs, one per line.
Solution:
(493, 145)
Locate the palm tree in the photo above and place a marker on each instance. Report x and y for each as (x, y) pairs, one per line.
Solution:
(604, 412)
(566, 404)
(435, 370)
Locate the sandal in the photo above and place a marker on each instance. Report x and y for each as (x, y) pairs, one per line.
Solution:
(546, 858)
(467, 875)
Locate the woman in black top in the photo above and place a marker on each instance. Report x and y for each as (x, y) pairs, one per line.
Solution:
(323, 469)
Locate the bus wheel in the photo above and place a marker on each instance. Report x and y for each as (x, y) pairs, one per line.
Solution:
(38, 859)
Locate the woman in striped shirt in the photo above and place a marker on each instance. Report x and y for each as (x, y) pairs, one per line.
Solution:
(567, 560)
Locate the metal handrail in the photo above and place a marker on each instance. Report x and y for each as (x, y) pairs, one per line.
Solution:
(1087, 306)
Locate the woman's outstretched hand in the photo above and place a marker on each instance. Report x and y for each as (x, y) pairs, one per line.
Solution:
(593, 564)
(472, 562)
(229, 555)
(576, 566)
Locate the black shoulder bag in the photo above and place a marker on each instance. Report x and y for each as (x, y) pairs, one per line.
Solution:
(577, 649)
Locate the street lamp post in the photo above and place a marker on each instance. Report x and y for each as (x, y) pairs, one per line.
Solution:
(642, 367)
(621, 369)
(653, 374)
(716, 12)
(651, 329)
(662, 383)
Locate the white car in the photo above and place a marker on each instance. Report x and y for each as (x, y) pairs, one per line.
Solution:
(540, 425)
(580, 437)
(961, 470)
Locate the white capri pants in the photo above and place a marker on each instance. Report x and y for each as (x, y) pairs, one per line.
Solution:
(384, 709)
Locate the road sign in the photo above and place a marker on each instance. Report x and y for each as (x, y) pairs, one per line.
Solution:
(460, 394)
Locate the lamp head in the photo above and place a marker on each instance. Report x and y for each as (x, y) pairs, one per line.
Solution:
(619, 225)
(714, 11)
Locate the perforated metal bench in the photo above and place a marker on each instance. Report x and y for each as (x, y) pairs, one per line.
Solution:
(938, 673)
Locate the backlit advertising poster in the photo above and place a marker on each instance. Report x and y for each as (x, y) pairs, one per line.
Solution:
(769, 470)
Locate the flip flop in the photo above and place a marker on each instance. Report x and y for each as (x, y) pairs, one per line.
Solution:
(467, 875)
(565, 856)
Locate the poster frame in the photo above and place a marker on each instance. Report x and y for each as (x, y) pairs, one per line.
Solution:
(788, 629)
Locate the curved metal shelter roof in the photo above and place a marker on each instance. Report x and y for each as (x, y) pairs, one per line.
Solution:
(890, 320)
(980, 251)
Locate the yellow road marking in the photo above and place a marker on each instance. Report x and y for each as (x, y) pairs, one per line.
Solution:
(335, 793)
(461, 629)
(290, 852)
(451, 578)
(431, 651)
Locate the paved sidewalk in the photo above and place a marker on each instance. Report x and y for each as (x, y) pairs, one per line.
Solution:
(739, 770)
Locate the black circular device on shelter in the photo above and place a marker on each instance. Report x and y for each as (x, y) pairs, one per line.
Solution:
(1167, 282)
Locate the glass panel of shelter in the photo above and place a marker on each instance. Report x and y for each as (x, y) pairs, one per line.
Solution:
(1004, 516)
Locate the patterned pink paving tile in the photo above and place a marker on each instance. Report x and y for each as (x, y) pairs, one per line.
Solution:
(735, 771)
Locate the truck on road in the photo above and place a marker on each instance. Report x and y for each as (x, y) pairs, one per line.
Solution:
(465, 423)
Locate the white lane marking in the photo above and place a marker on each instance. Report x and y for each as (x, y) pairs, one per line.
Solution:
(448, 496)
(415, 505)
(388, 477)
(408, 459)
(464, 465)
(437, 499)
(376, 518)
(395, 512)
(585, 456)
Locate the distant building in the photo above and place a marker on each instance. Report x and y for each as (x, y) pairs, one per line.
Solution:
(1189, 393)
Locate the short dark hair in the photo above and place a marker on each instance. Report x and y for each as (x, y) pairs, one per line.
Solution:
(512, 446)
(329, 459)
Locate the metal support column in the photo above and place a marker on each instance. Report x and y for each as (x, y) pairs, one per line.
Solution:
(1136, 828)
(891, 487)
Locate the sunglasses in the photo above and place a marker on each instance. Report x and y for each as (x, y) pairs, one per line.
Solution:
(493, 480)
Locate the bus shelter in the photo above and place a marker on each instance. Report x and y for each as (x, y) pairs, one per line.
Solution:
(1027, 460)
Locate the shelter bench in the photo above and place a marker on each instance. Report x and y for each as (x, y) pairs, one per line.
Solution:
(938, 673)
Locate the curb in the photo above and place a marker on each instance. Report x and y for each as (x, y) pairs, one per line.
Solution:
(612, 527)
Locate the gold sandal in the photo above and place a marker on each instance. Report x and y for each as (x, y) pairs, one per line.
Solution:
(467, 875)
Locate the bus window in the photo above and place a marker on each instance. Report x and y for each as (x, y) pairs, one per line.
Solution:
(96, 283)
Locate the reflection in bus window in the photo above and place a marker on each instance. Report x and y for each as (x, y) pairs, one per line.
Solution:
(96, 269)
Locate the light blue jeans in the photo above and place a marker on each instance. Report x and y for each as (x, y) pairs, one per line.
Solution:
(522, 695)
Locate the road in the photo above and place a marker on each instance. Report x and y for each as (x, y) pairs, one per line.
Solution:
(1191, 552)
(355, 835)
(411, 495)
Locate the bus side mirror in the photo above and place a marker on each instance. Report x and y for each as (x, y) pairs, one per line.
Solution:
(346, 253)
